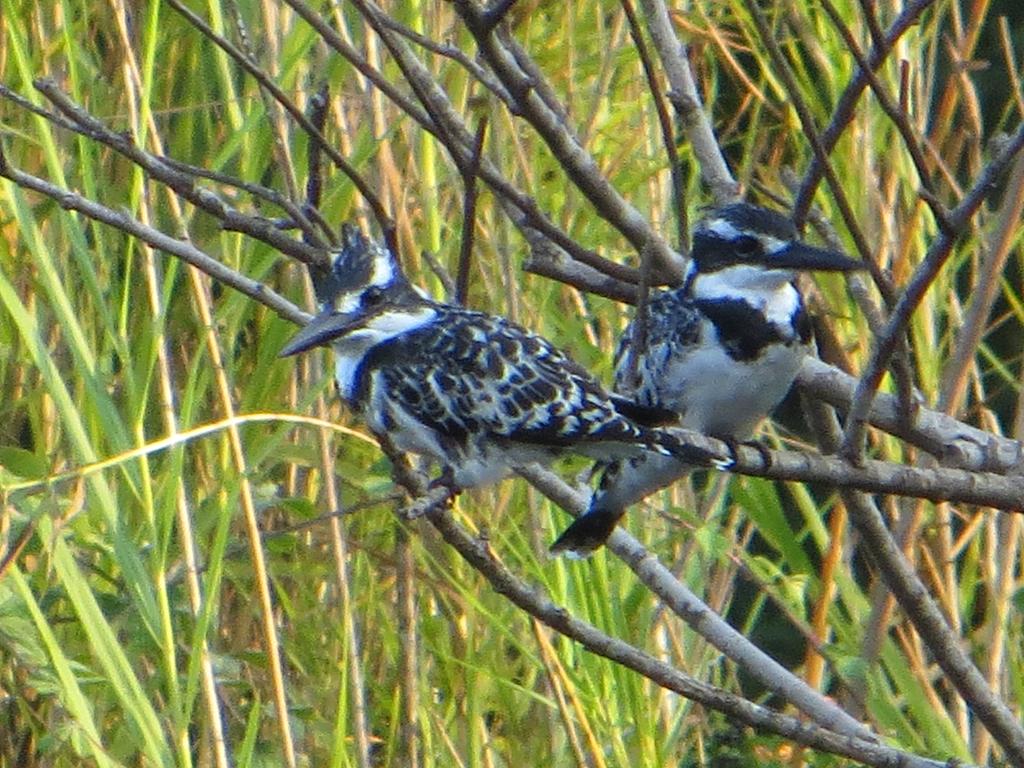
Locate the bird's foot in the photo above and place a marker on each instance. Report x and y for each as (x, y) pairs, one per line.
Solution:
(762, 451)
(441, 492)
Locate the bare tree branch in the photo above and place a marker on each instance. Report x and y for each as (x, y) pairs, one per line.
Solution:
(842, 115)
(995, 253)
(924, 275)
(579, 165)
(688, 104)
(183, 249)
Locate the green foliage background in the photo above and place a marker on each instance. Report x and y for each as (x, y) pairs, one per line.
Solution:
(101, 639)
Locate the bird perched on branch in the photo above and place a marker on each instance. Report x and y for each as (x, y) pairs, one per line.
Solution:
(721, 350)
(473, 391)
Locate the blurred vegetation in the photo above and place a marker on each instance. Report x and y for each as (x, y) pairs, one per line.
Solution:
(108, 644)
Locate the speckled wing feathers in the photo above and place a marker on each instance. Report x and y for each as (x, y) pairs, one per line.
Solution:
(672, 324)
(468, 373)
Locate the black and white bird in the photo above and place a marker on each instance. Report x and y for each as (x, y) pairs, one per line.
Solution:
(722, 349)
(475, 392)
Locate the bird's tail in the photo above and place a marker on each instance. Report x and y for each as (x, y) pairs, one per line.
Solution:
(625, 482)
(587, 533)
(591, 530)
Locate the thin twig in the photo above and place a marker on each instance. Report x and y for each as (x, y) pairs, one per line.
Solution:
(364, 187)
(938, 253)
(901, 361)
(314, 172)
(323, 29)
(306, 221)
(448, 51)
(813, 138)
(323, 284)
(469, 176)
(668, 139)
(842, 115)
(578, 275)
(256, 190)
(278, 129)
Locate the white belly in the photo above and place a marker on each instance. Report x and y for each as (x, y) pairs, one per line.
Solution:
(720, 396)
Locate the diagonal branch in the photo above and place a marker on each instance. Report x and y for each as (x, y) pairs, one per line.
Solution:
(843, 113)
(850, 739)
(183, 249)
(687, 102)
(702, 619)
(738, 709)
(181, 183)
(501, 52)
(926, 272)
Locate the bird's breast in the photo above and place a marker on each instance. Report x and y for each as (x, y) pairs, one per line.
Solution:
(719, 395)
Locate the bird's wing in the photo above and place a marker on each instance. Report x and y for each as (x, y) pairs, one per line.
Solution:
(673, 324)
(471, 373)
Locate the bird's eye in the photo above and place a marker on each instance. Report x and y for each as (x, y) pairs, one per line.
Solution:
(746, 245)
(372, 295)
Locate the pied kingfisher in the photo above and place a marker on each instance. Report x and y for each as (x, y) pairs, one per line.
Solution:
(722, 349)
(473, 391)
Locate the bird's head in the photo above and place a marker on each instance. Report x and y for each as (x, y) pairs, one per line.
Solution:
(366, 281)
(745, 248)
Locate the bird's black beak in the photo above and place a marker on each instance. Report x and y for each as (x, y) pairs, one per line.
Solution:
(322, 329)
(807, 258)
